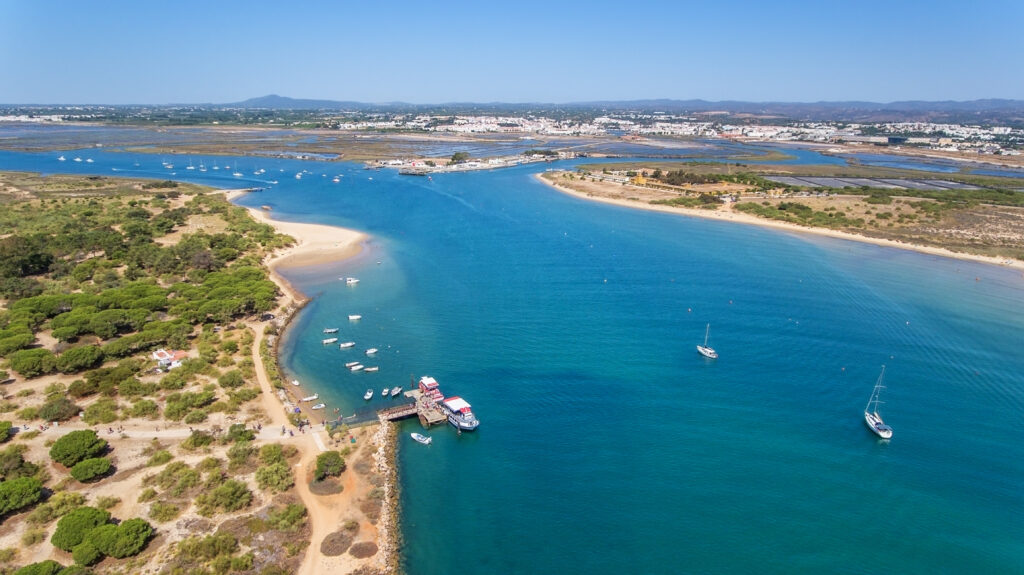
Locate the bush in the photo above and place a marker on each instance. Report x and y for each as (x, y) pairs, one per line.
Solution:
(86, 553)
(239, 432)
(196, 440)
(276, 477)
(232, 495)
(73, 527)
(288, 518)
(231, 379)
(328, 464)
(59, 505)
(163, 512)
(19, 493)
(124, 540)
(145, 408)
(77, 446)
(48, 567)
(33, 537)
(5, 430)
(159, 458)
(58, 409)
(103, 411)
(90, 469)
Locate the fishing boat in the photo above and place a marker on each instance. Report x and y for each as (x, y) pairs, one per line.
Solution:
(319, 406)
(372, 368)
(351, 363)
(368, 394)
(355, 317)
(346, 344)
(356, 367)
(371, 351)
(422, 438)
(295, 382)
(330, 330)
(871, 416)
(705, 349)
(330, 340)
(395, 391)
(313, 397)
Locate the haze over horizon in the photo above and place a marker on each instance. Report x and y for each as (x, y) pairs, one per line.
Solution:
(54, 52)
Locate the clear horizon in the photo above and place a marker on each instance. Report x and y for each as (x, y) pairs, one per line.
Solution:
(120, 53)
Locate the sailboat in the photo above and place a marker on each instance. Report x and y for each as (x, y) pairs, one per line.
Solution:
(705, 350)
(871, 417)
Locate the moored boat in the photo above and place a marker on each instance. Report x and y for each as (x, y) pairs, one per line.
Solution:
(319, 406)
(355, 317)
(395, 391)
(371, 351)
(368, 394)
(330, 340)
(422, 438)
(330, 330)
(871, 417)
(351, 281)
(372, 368)
(313, 397)
(346, 345)
(460, 413)
(295, 382)
(356, 367)
(706, 350)
(351, 363)
(384, 392)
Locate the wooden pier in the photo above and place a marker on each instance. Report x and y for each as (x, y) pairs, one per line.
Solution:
(427, 411)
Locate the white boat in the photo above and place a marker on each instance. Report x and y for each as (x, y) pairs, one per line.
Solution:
(351, 281)
(351, 363)
(330, 330)
(368, 394)
(330, 340)
(871, 416)
(319, 406)
(371, 351)
(61, 159)
(346, 344)
(705, 349)
(313, 397)
(238, 174)
(336, 180)
(295, 382)
(460, 413)
(356, 367)
(355, 317)
(190, 166)
(298, 176)
(77, 159)
(88, 160)
(395, 391)
(384, 392)
(372, 368)
(422, 438)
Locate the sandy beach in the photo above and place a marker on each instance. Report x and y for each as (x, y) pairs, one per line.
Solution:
(321, 244)
(726, 213)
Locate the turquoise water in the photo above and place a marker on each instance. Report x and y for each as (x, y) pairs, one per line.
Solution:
(607, 445)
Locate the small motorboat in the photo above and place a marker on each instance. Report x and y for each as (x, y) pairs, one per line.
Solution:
(395, 391)
(351, 281)
(384, 392)
(319, 406)
(355, 317)
(313, 397)
(330, 330)
(351, 363)
(356, 367)
(295, 382)
(371, 351)
(368, 394)
(422, 438)
(330, 340)
(346, 345)
(372, 368)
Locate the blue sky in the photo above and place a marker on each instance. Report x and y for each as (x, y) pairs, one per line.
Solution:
(159, 52)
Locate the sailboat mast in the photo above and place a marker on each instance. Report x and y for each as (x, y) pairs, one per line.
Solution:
(707, 330)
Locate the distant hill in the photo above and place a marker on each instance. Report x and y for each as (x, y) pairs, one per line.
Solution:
(987, 110)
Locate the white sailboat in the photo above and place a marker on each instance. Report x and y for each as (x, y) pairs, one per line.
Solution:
(706, 350)
(871, 416)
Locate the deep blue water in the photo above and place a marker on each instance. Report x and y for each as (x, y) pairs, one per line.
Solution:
(607, 445)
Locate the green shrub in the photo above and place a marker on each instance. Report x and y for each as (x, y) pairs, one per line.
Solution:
(239, 432)
(58, 505)
(48, 567)
(33, 537)
(77, 446)
(163, 512)
(232, 495)
(148, 494)
(106, 502)
(159, 458)
(85, 553)
(144, 408)
(195, 416)
(58, 409)
(19, 493)
(288, 518)
(276, 477)
(5, 430)
(124, 540)
(73, 527)
(231, 379)
(8, 554)
(328, 464)
(196, 440)
(103, 411)
(89, 469)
